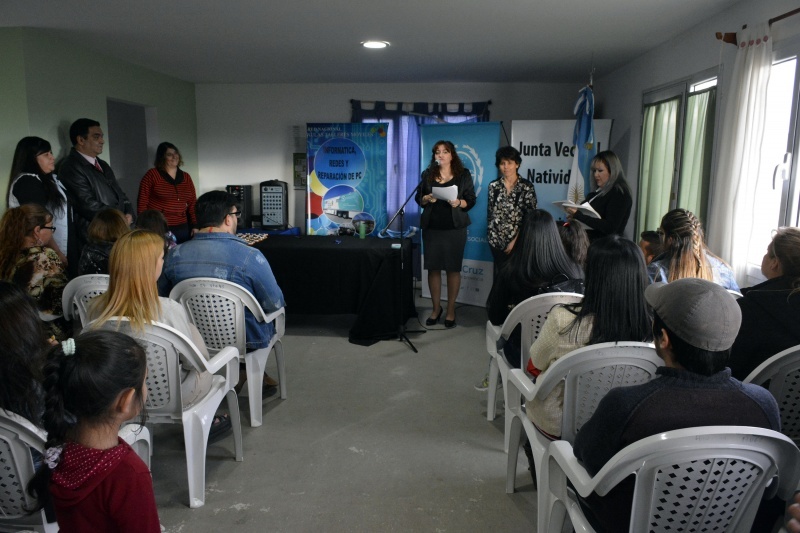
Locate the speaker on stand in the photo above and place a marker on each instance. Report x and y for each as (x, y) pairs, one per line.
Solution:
(244, 196)
(274, 205)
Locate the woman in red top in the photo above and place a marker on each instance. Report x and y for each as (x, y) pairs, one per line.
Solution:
(170, 190)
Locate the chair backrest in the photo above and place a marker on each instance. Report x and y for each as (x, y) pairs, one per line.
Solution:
(166, 347)
(531, 314)
(216, 307)
(17, 437)
(79, 292)
(590, 372)
(780, 374)
(703, 479)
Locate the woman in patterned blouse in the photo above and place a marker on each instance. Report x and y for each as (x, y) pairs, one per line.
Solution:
(27, 260)
(510, 198)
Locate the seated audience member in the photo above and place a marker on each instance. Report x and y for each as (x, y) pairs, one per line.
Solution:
(613, 309)
(650, 245)
(106, 227)
(92, 478)
(770, 310)
(24, 341)
(684, 253)
(153, 220)
(538, 264)
(27, 261)
(694, 325)
(216, 252)
(135, 264)
(575, 241)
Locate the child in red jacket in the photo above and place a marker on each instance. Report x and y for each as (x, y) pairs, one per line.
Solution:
(94, 480)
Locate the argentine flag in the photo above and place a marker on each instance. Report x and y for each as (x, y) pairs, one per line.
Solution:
(585, 146)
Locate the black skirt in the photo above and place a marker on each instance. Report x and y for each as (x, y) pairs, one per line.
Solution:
(444, 248)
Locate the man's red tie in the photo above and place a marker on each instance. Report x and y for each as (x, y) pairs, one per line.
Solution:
(97, 166)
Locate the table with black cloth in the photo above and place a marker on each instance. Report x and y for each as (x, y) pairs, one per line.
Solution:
(345, 275)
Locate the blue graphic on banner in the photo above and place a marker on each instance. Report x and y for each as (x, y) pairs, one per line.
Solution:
(476, 144)
(346, 178)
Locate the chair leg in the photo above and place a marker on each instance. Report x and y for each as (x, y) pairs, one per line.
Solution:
(255, 364)
(515, 438)
(195, 437)
(281, 367)
(491, 400)
(236, 421)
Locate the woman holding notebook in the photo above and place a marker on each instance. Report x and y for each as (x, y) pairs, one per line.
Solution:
(612, 199)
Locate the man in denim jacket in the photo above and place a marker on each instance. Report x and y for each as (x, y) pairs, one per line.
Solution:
(216, 252)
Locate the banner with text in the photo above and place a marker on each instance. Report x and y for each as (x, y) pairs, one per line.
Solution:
(547, 153)
(476, 144)
(346, 178)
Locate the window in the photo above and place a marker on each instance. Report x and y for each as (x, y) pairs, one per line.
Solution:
(776, 199)
(677, 145)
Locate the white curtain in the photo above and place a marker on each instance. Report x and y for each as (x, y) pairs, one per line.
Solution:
(740, 149)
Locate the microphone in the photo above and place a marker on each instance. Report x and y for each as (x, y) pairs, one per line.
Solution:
(436, 162)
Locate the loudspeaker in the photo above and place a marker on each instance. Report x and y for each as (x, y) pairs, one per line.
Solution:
(274, 205)
(244, 196)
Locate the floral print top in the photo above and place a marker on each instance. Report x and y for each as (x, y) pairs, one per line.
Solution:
(506, 209)
(40, 272)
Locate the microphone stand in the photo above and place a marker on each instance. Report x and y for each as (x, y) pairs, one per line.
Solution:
(401, 326)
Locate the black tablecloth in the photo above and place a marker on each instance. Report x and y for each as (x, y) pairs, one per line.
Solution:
(344, 275)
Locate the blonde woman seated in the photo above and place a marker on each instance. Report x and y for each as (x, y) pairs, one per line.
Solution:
(684, 253)
(613, 309)
(135, 264)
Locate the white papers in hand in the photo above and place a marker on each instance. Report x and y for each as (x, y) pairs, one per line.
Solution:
(445, 193)
(584, 208)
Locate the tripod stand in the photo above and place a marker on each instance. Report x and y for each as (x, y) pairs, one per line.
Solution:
(401, 326)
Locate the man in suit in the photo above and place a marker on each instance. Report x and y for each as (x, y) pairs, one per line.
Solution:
(90, 182)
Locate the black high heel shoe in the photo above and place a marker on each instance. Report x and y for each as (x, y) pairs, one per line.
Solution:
(450, 323)
(432, 321)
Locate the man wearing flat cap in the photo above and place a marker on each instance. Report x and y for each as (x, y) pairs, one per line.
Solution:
(694, 325)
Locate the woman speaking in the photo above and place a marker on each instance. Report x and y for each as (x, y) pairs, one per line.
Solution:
(444, 223)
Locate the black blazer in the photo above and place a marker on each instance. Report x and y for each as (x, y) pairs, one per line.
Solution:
(466, 192)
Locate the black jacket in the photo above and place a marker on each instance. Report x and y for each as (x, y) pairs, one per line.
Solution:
(90, 191)
(770, 324)
(466, 192)
(615, 209)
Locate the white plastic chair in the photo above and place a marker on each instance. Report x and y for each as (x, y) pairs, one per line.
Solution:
(722, 473)
(216, 307)
(531, 315)
(79, 292)
(782, 371)
(17, 437)
(588, 374)
(166, 348)
(138, 437)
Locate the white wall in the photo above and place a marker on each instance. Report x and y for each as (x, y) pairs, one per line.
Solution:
(246, 133)
(619, 94)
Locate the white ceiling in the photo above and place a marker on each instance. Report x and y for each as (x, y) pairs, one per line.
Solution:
(265, 41)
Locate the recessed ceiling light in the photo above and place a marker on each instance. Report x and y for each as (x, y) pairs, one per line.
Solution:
(375, 44)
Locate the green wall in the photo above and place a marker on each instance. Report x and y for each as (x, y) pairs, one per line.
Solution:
(48, 83)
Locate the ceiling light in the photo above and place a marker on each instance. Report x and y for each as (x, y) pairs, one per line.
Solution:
(375, 44)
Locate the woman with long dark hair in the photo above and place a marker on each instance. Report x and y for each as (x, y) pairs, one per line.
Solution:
(613, 309)
(33, 181)
(444, 224)
(612, 199)
(24, 341)
(169, 189)
(538, 264)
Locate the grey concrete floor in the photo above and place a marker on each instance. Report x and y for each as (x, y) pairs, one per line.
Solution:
(374, 438)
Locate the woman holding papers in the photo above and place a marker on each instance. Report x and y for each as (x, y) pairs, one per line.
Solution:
(612, 200)
(446, 193)
(510, 198)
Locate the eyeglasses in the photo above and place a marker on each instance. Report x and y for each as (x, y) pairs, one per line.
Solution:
(51, 228)
(236, 214)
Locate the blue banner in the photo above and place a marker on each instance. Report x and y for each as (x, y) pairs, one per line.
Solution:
(346, 178)
(476, 144)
